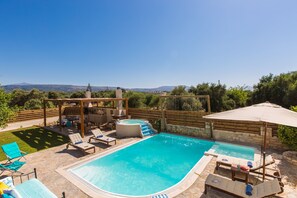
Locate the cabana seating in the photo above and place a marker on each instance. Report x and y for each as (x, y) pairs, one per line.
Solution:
(13, 152)
(99, 136)
(32, 188)
(77, 142)
(238, 189)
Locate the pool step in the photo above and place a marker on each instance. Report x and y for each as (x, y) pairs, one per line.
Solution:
(146, 130)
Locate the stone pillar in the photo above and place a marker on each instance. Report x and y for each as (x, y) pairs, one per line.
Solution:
(209, 129)
(119, 94)
(88, 94)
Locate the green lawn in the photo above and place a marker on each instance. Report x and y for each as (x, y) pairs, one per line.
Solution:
(31, 139)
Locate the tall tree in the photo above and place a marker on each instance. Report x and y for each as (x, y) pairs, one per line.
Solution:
(6, 112)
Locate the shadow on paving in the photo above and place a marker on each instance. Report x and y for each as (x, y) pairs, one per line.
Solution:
(40, 138)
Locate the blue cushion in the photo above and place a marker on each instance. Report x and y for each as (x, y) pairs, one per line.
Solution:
(250, 164)
(7, 196)
(99, 136)
(249, 189)
(79, 142)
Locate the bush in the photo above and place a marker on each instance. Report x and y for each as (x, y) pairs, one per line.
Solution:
(288, 135)
(6, 113)
(33, 104)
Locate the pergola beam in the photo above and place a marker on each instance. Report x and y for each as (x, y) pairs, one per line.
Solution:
(81, 102)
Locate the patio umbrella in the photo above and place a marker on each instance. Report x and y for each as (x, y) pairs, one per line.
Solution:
(264, 112)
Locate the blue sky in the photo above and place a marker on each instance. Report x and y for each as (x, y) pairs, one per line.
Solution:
(137, 43)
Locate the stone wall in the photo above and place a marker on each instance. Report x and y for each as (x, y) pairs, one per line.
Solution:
(190, 131)
(228, 136)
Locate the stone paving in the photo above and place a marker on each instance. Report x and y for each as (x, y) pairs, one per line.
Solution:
(47, 161)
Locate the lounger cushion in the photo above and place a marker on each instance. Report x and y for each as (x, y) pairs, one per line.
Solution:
(33, 188)
(84, 145)
(3, 187)
(106, 139)
(8, 181)
(7, 196)
(15, 193)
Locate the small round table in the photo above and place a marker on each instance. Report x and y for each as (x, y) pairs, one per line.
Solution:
(236, 169)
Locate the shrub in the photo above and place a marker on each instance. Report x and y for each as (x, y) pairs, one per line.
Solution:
(33, 104)
(288, 135)
(6, 113)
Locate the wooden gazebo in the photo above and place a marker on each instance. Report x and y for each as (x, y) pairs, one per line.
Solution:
(81, 102)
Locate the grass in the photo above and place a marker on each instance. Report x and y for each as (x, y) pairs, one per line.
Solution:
(31, 139)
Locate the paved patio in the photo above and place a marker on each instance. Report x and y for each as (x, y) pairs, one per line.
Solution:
(48, 161)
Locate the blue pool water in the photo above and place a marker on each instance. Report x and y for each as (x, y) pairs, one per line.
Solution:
(147, 167)
(233, 150)
(132, 121)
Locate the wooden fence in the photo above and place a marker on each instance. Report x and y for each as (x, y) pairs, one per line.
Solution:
(194, 119)
(184, 118)
(34, 114)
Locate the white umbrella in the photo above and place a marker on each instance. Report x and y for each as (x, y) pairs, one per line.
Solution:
(264, 112)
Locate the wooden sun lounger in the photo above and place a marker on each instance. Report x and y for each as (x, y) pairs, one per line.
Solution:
(238, 189)
(228, 161)
(77, 142)
(257, 165)
(99, 136)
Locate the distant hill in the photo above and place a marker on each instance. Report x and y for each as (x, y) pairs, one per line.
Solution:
(73, 88)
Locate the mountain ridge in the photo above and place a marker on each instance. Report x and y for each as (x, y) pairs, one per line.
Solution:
(73, 88)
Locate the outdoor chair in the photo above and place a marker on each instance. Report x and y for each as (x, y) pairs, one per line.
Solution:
(12, 167)
(13, 152)
(77, 142)
(239, 189)
(32, 188)
(98, 135)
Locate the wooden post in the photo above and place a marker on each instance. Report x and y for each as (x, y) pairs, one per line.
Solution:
(44, 112)
(126, 101)
(113, 104)
(264, 150)
(82, 119)
(60, 116)
(208, 104)
(264, 156)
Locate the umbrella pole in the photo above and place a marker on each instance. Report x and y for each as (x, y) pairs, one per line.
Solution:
(264, 152)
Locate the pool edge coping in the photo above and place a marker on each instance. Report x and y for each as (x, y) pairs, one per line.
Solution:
(92, 191)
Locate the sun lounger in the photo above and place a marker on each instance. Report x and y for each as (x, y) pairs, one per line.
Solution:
(236, 188)
(98, 135)
(12, 167)
(13, 152)
(77, 142)
(256, 165)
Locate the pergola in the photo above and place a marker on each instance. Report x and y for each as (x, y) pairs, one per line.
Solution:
(81, 102)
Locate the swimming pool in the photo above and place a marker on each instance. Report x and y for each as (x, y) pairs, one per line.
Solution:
(133, 121)
(146, 167)
(233, 150)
